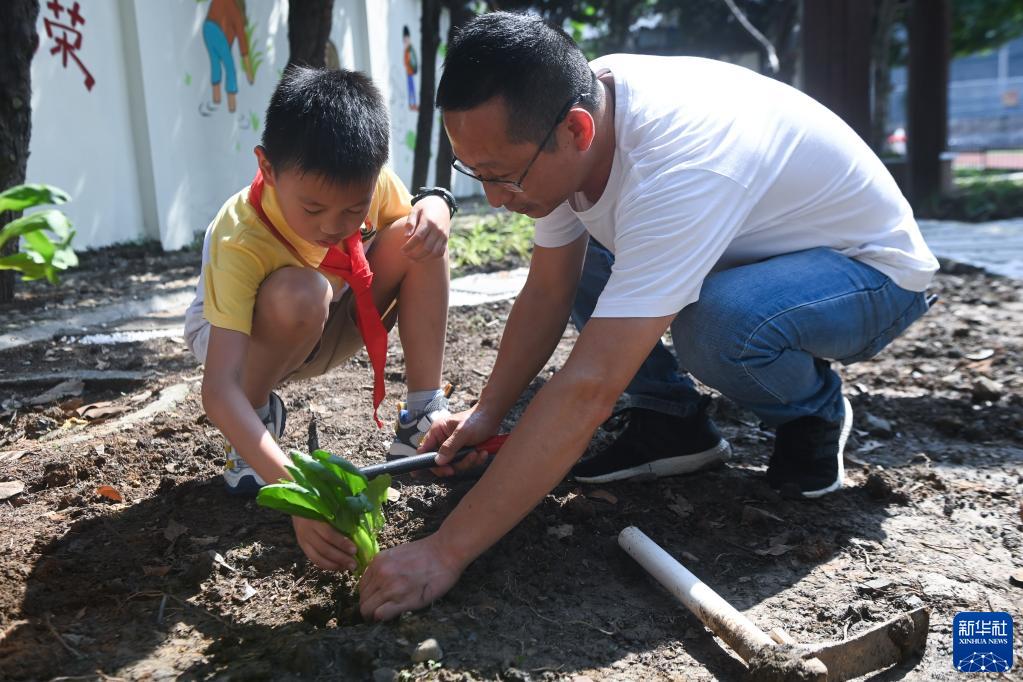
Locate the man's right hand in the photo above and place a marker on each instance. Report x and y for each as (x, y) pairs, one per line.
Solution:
(448, 436)
(325, 546)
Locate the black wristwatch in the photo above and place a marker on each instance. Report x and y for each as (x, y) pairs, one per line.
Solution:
(437, 192)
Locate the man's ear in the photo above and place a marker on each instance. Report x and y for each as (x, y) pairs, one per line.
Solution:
(583, 128)
(265, 165)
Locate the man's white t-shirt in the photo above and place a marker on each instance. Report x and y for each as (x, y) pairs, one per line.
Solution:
(716, 166)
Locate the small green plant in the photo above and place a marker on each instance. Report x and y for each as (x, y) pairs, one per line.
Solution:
(493, 240)
(41, 256)
(331, 489)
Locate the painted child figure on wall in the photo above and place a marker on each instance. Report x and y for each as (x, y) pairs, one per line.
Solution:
(225, 22)
(411, 67)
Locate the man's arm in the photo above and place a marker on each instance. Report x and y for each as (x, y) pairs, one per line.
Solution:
(545, 443)
(535, 325)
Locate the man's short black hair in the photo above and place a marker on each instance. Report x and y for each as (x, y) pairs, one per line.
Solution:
(534, 67)
(331, 123)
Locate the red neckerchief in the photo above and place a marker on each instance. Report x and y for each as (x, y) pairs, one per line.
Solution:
(354, 269)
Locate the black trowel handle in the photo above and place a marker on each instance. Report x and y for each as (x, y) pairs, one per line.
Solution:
(428, 460)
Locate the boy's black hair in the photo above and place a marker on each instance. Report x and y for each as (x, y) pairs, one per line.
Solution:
(534, 67)
(331, 123)
(405, 32)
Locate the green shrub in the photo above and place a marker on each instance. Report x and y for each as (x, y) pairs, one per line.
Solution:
(978, 201)
(40, 255)
(493, 242)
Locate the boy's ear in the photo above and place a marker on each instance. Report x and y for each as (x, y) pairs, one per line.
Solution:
(264, 165)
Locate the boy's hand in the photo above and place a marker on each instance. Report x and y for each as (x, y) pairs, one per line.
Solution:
(427, 228)
(324, 546)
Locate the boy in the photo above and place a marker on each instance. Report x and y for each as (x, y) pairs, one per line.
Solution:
(308, 264)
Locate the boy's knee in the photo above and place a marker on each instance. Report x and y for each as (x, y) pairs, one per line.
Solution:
(295, 298)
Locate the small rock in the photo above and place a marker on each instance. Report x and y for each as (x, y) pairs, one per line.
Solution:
(427, 650)
(875, 585)
(10, 489)
(878, 426)
(385, 675)
(578, 508)
(1017, 578)
(913, 602)
(516, 675)
(986, 389)
(561, 531)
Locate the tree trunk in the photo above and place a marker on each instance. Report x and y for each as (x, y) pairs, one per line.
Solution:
(460, 15)
(927, 102)
(18, 42)
(836, 58)
(881, 58)
(309, 31)
(430, 41)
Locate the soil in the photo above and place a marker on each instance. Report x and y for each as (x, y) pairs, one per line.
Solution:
(123, 558)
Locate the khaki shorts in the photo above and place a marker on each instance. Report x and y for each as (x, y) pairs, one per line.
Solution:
(341, 338)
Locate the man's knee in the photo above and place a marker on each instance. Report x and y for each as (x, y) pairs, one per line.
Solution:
(711, 332)
(294, 300)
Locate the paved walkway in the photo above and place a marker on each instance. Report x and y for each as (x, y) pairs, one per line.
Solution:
(996, 246)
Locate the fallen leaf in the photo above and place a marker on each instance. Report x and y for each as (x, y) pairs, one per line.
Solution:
(218, 559)
(248, 592)
(393, 495)
(156, 571)
(145, 395)
(174, 530)
(774, 550)
(101, 410)
(110, 492)
(71, 404)
(12, 455)
(561, 532)
(982, 354)
(9, 489)
(601, 494)
(64, 389)
(679, 510)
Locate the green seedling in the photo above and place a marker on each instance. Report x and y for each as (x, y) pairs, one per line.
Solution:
(329, 488)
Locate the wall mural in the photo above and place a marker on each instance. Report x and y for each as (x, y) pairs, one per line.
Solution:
(226, 23)
(411, 62)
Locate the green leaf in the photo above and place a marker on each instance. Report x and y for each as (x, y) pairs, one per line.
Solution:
(23, 263)
(52, 220)
(293, 499)
(344, 470)
(20, 197)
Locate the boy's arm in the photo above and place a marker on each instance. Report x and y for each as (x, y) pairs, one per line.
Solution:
(427, 228)
(228, 408)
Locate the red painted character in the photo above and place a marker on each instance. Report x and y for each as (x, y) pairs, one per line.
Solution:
(68, 39)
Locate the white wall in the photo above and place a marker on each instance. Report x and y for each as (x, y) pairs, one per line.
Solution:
(81, 139)
(146, 153)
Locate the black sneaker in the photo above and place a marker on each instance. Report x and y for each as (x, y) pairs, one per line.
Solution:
(807, 458)
(655, 444)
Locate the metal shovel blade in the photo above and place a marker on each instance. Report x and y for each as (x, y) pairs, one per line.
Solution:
(878, 648)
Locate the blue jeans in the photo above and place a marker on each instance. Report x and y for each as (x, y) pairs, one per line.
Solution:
(221, 59)
(763, 334)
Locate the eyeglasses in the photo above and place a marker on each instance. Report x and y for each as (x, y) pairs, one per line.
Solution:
(516, 185)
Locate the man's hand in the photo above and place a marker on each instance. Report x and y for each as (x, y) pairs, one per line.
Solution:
(324, 546)
(448, 436)
(407, 577)
(427, 228)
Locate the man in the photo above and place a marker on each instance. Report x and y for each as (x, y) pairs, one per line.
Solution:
(740, 213)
